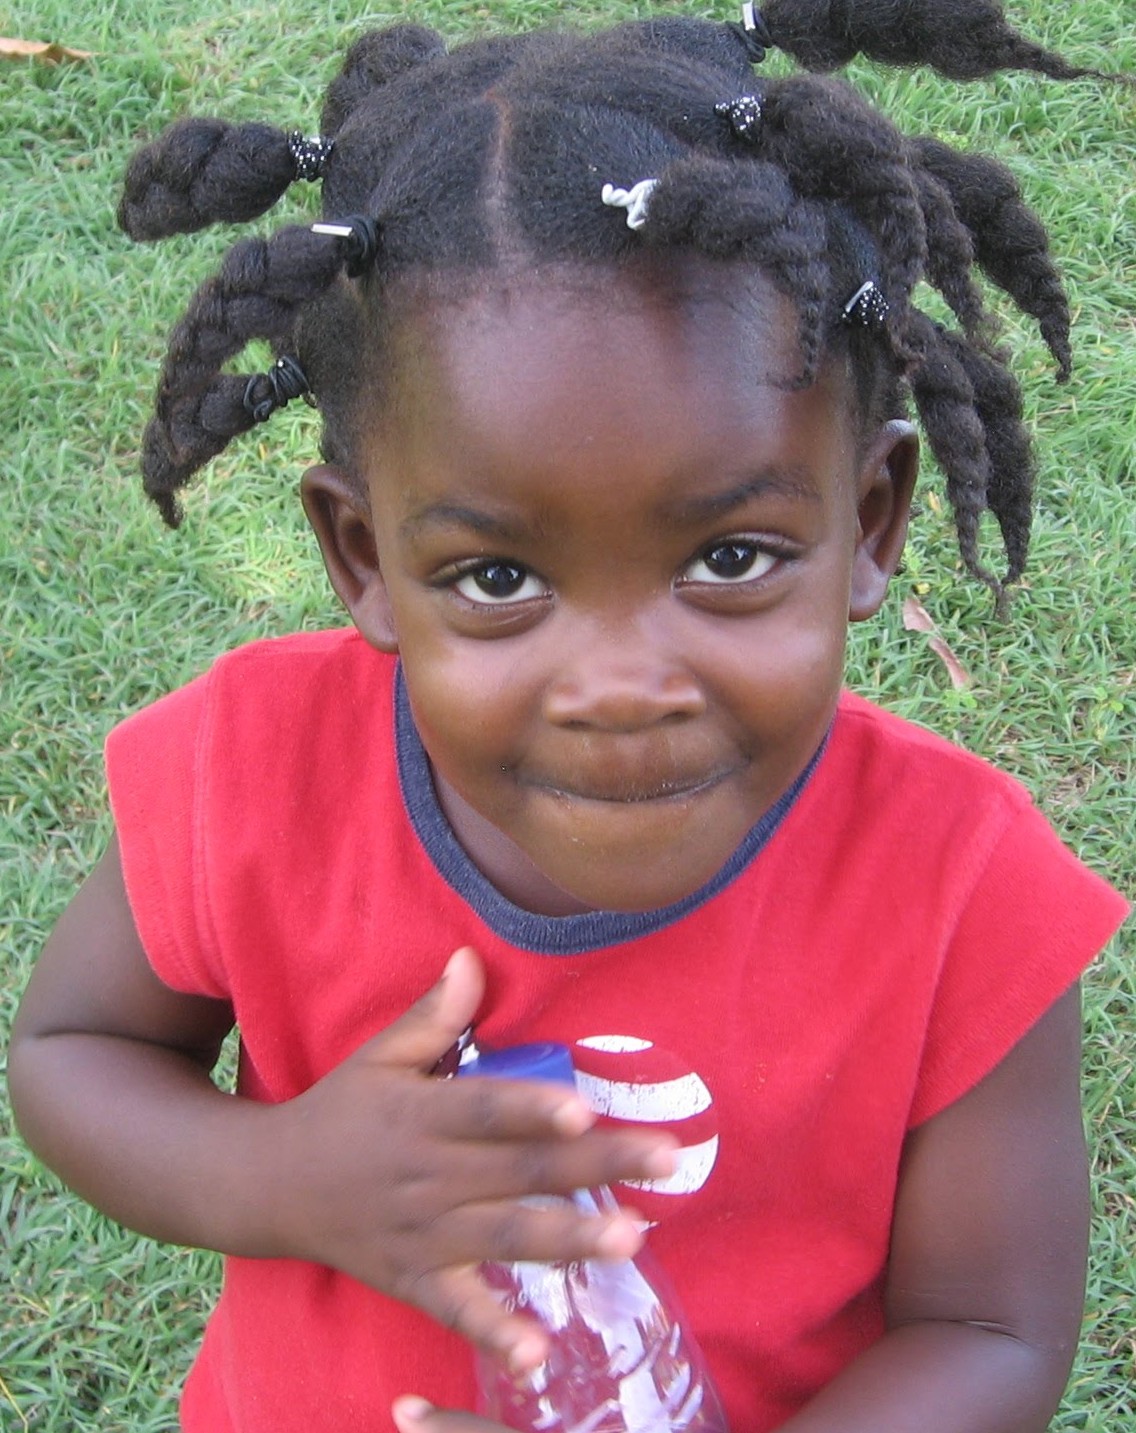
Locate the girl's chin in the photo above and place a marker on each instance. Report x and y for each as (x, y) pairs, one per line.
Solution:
(642, 878)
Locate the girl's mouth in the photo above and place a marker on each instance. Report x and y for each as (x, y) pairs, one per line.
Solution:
(676, 788)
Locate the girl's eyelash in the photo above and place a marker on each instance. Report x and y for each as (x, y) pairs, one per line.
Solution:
(735, 560)
(494, 582)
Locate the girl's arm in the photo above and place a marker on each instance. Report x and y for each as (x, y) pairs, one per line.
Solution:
(405, 1181)
(986, 1276)
(985, 1286)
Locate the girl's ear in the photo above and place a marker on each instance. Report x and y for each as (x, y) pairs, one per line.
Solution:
(886, 483)
(341, 519)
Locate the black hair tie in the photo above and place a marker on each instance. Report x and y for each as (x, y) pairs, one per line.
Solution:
(867, 308)
(753, 32)
(284, 381)
(361, 239)
(743, 115)
(309, 154)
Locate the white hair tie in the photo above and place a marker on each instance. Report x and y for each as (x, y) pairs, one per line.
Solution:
(634, 200)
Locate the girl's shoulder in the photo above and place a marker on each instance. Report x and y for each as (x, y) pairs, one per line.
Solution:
(300, 657)
(282, 682)
(266, 721)
(874, 744)
(951, 830)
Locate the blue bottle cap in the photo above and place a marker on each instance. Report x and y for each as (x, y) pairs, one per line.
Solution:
(544, 1061)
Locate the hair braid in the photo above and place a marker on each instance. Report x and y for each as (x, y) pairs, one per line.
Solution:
(201, 172)
(749, 211)
(834, 146)
(1009, 492)
(1010, 242)
(945, 398)
(255, 294)
(963, 40)
(950, 257)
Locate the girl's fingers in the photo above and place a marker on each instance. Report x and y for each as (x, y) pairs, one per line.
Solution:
(420, 1037)
(508, 1232)
(481, 1108)
(414, 1415)
(535, 1167)
(460, 1299)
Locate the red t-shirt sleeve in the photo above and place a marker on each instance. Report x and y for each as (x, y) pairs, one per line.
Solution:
(1034, 920)
(152, 763)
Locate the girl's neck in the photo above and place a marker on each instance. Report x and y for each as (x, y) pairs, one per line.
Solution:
(500, 860)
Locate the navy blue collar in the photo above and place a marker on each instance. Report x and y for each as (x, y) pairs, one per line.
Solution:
(551, 935)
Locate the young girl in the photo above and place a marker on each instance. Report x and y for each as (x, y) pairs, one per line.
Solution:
(612, 343)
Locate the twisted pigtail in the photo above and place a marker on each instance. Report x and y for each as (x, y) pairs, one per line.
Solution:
(945, 398)
(374, 60)
(834, 146)
(950, 257)
(1010, 242)
(963, 40)
(1009, 492)
(257, 293)
(204, 171)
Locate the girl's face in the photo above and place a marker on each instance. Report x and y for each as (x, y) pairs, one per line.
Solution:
(617, 555)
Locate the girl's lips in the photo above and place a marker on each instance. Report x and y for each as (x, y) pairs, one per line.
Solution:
(676, 788)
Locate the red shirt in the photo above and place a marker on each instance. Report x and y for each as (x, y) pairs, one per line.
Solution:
(876, 947)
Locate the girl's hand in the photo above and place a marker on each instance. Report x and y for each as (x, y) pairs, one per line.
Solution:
(408, 1182)
(382, 1170)
(415, 1415)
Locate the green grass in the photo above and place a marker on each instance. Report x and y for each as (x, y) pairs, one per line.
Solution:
(101, 609)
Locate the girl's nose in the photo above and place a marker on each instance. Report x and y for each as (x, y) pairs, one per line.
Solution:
(613, 683)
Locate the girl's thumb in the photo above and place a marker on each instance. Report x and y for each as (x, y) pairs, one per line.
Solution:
(419, 1039)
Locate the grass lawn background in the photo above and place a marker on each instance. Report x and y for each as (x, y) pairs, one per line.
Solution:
(101, 609)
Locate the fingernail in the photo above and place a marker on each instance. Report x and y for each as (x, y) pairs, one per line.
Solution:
(661, 1162)
(618, 1241)
(526, 1353)
(411, 1409)
(572, 1117)
(454, 960)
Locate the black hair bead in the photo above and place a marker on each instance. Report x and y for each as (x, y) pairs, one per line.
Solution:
(867, 308)
(743, 116)
(309, 154)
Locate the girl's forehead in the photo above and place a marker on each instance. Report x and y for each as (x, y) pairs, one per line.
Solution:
(694, 326)
(576, 379)
(664, 287)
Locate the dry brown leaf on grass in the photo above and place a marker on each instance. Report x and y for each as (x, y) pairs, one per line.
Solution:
(48, 51)
(916, 618)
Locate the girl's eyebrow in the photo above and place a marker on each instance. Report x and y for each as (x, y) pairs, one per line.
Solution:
(457, 515)
(704, 507)
(701, 508)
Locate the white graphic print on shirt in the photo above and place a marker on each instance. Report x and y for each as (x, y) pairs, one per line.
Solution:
(627, 1080)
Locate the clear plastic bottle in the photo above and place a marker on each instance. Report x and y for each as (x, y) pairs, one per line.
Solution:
(622, 1359)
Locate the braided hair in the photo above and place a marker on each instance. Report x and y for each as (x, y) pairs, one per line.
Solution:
(443, 165)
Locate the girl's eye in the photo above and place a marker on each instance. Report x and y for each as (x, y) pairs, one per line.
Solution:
(496, 583)
(734, 559)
